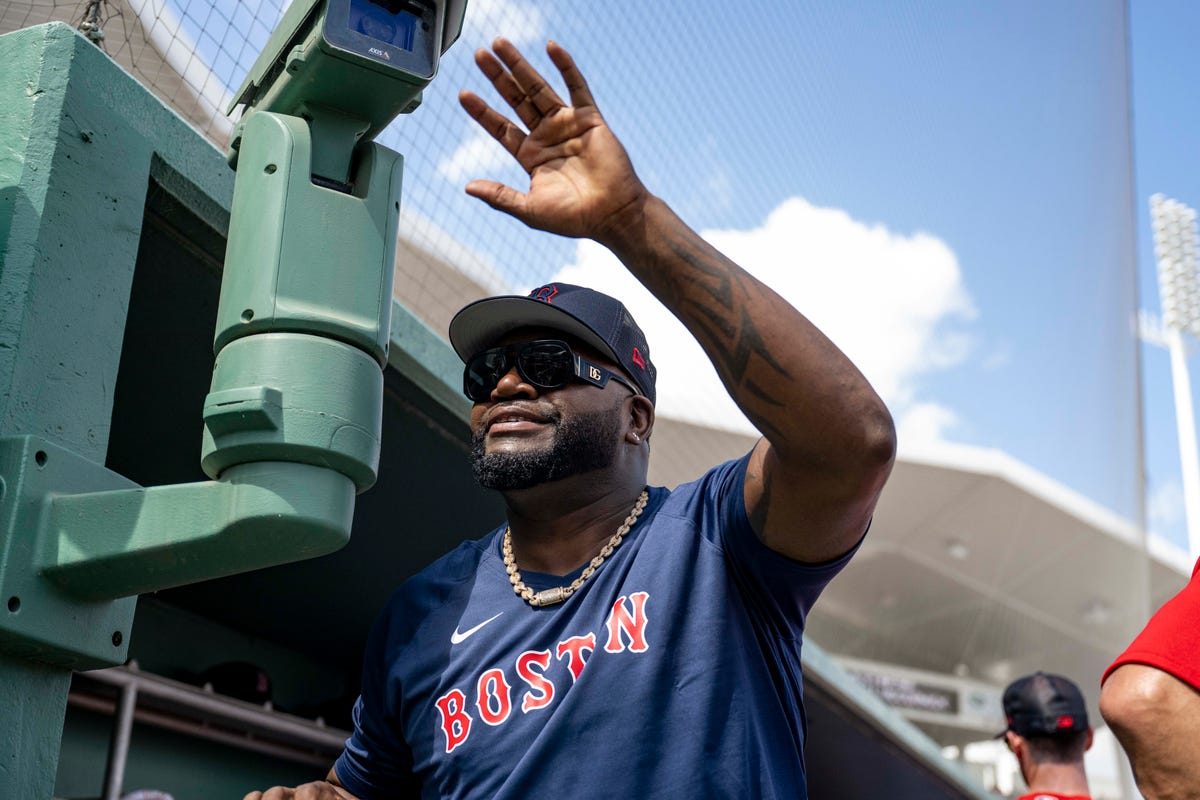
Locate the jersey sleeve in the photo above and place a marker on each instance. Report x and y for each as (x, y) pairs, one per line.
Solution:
(1171, 639)
(780, 588)
(377, 762)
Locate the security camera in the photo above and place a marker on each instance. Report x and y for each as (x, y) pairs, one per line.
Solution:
(364, 61)
(311, 247)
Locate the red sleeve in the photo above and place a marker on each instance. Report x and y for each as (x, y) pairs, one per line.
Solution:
(1171, 639)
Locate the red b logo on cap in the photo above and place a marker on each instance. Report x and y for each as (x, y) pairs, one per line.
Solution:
(1065, 722)
(544, 293)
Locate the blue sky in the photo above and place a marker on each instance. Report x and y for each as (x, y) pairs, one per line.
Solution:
(945, 187)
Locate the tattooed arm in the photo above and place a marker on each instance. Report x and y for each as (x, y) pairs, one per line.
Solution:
(828, 439)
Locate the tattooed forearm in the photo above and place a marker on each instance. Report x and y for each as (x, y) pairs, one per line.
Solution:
(762, 394)
(750, 342)
(713, 273)
(713, 319)
(734, 345)
(711, 292)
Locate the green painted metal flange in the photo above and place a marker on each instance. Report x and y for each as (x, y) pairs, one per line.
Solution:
(116, 544)
(37, 621)
(78, 541)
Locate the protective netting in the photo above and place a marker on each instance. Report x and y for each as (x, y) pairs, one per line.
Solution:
(186, 53)
(870, 165)
(944, 188)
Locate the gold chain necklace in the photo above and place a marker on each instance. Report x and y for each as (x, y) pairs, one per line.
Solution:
(549, 597)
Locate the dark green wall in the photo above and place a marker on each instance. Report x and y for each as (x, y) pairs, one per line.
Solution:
(187, 768)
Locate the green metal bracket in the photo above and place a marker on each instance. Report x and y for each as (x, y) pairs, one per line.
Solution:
(337, 135)
(117, 544)
(37, 621)
(292, 423)
(78, 536)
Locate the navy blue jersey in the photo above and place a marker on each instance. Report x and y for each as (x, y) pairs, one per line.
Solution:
(672, 672)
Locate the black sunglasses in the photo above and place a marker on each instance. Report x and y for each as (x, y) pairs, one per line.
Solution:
(542, 363)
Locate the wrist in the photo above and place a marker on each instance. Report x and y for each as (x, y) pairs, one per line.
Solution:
(625, 229)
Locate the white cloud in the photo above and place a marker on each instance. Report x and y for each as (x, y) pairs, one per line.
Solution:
(521, 23)
(889, 301)
(479, 156)
(1164, 507)
(922, 423)
(998, 359)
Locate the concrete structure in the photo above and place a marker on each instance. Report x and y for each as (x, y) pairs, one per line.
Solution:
(157, 53)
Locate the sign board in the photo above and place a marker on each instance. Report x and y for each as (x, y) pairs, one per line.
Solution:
(930, 696)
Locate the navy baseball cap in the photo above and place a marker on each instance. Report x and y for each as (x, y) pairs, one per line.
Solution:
(592, 317)
(1041, 705)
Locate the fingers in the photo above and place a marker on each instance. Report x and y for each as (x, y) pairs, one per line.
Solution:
(496, 124)
(524, 89)
(530, 81)
(577, 87)
(508, 88)
(317, 790)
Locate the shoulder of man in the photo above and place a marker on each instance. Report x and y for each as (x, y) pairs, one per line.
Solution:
(725, 476)
(434, 585)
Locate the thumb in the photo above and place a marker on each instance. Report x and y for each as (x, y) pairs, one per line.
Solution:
(500, 197)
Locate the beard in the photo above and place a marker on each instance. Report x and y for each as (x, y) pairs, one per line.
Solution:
(587, 442)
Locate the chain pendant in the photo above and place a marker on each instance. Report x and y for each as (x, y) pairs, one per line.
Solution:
(549, 597)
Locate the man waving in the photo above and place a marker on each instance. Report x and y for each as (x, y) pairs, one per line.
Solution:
(613, 639)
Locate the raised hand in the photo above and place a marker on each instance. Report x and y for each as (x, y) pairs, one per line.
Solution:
(581, 182)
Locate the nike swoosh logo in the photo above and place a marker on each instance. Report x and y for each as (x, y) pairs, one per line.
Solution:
(459, 638)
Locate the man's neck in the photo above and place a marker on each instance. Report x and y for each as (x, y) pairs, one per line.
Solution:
(558, 527)
(1065, 779)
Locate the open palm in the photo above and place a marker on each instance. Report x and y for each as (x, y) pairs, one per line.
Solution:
(580, 177)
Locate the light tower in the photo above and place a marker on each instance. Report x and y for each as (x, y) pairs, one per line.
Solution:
(1175, 246)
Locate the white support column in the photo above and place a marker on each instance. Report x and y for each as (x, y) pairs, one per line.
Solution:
(1175, 246)
(1185, 420)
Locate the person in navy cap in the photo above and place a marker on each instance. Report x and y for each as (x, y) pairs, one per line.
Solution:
(611, 639)
(1048, 732)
